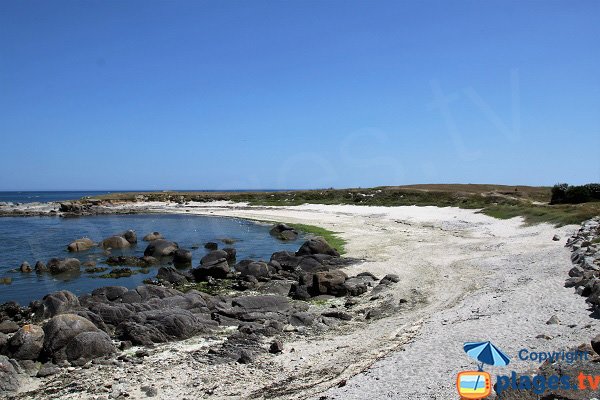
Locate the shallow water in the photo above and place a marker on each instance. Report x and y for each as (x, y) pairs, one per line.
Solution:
(41, 238)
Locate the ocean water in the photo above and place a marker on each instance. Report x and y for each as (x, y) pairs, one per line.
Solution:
(41, 238)
(44, 197)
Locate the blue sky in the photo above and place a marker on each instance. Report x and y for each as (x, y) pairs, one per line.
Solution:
(179, 94)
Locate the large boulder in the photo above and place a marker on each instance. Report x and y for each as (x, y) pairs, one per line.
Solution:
(216, 269)
(182, 257)
(111, 313)
(27, 343)
(82, 244)
(115, 242)
(161, 248)
(262, 303)
(283, 232)
(329, 282)
(8, 326)
(56, 303)
(317, 245)
(213, 256)
(152, 236)
(177, 323)
(89, 345)
(9, 378)
(63, 265)
(60, 330)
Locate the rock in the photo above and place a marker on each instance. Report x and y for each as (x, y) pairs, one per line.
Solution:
(8, 326)
(25, 267)
(9, 379)
(130, 236)
(82, 244)
(576, 271)
(112, 313)
(48, 369)
(214, 255)
(299, 292)
(231, 254)
(111, 293)
(256, 269)
(276, 347)
(596, 344)
(3, 341)
(218, 269)
(177, 323)
(246, 357)
(228, 240)
(27, 343)
(115, 242)
(152, 236)
(56, 303)
(277, 287)
(211, 246)
(60, 330)
(302, 318)
(161, 248)
(149, 391)
(389, 279)
(262, 303)
(60, 265)
(337, 314)
(89, 345)
(40, 267)
(553, 320)
(556, 238)
(283, 232)
(317, 245)
(355, 286)
(182, 257)
(330, 282)
(171, 275)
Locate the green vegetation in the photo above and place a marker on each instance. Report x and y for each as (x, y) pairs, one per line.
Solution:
(331, 237)
(597, 240)
(563, 193)
(500, 201)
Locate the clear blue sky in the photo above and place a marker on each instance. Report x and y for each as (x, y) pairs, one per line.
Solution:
(297, 94)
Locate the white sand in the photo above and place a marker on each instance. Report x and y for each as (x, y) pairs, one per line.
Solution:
(480, 279)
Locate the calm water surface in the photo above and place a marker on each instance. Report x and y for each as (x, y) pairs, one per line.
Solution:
(41, 238)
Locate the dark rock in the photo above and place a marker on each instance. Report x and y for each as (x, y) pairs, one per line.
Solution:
(56, 303)
(149, 391)
(211, 246)
(82, 244)
(389, 279)
(284, 232)
(302, 318)
(337, 314)
(256, 269)
(60, 265)
(40, 267)
(231, 254)
(152, 236)
(171, 275)
(139, 334)
(596, 344)
(246, 357)
(161, 248)
(228, 240)
(276, 347)
(213, 256)
(286, 259)
(89, 345)
(317, 245)
(111, 293)
(355, 286)
(27, 343)
(182, 257)
(216, 269)
(8, 326)
(262, 303)
(112, 314)
(115, 242)
(48, 369)
(25, 267)
(368, 275)
(553, 320)
(279, 287)
(9, 379)
(299, 292)
(130, 236)
(330, 282)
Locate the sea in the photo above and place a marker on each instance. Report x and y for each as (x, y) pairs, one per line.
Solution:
(42, 238)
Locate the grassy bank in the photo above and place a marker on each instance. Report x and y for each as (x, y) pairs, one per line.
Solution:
(500, 201)
(331, 237)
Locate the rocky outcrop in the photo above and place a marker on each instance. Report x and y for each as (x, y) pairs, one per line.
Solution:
(585, 275)
(317, 245)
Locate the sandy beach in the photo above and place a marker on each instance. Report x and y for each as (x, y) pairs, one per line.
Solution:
(463, 277)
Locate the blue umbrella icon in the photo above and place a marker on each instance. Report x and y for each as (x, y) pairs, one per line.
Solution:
(486, 353)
